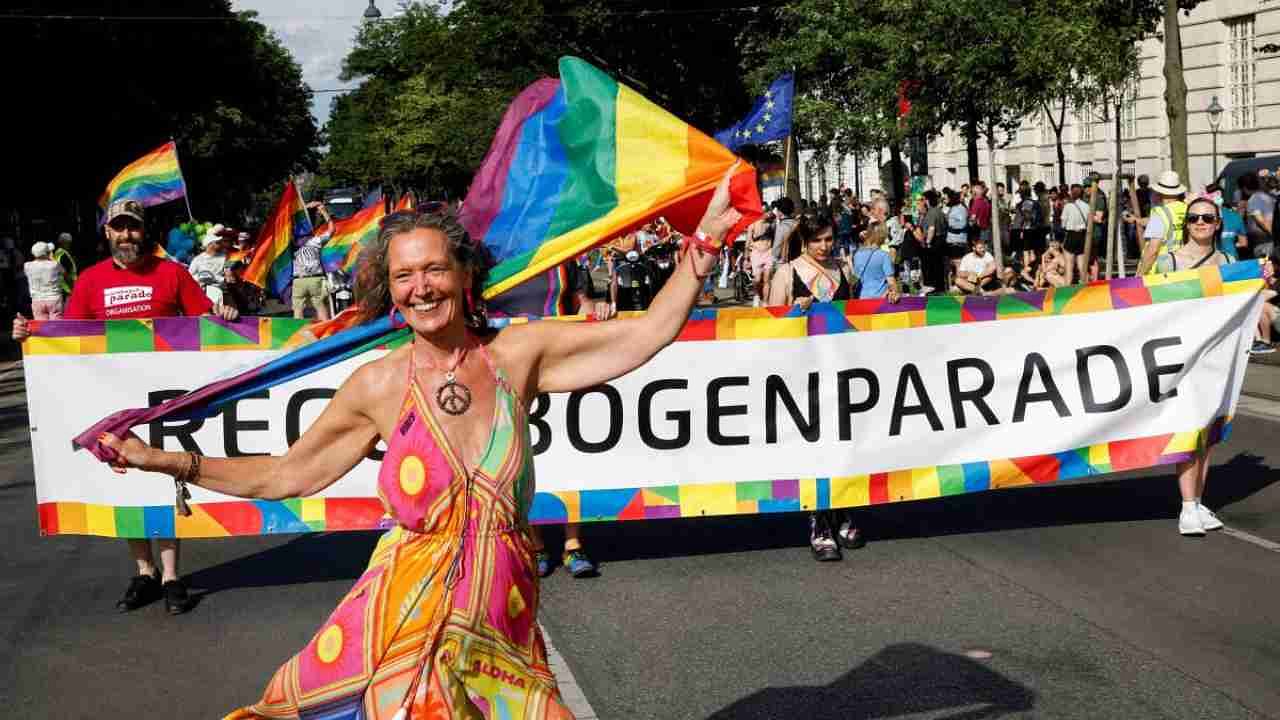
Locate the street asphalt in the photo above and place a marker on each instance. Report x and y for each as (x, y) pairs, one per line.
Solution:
(1076, 601)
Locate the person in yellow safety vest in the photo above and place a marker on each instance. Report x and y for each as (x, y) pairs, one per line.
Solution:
(61, 254)
(1163, 233)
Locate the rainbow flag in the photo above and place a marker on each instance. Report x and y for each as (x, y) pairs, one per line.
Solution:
(583, 159)
(152, 179)
(272, 265)
(407, 202)
(349, 237)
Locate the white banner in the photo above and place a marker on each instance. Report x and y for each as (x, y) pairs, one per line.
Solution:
(747, 421)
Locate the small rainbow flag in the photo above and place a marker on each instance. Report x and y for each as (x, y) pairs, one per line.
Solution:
(350, 236)
(152, 179)
(407, 202)
(272, 265)
(583, 159)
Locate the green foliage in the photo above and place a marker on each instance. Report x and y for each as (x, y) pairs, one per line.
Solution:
(92, 95)
(435, 80)
(978, 65)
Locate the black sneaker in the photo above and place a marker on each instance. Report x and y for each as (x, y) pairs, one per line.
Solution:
(143, 590)
(176, 599)
(821, 540)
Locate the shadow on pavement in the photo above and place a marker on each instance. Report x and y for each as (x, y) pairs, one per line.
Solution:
(899, 680)
(1150, 496)
(309, 558)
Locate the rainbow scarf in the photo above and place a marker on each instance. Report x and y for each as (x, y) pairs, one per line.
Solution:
(210, 399)
(152, 179)
(582, 159)
(350, 236)
(272, 265)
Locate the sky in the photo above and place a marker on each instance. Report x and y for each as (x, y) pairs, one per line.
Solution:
(319, 33)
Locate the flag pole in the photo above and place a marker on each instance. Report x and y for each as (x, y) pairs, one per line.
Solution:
(185, 197)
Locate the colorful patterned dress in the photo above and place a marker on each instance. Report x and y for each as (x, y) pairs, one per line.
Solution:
(443, 621)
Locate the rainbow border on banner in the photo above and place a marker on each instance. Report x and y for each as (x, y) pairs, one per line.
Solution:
(251, 517)
(301, 515)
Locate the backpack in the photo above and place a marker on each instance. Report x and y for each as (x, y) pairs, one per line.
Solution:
(1032, 215)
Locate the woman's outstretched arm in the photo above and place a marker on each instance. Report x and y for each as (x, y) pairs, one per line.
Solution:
(570, 356)
(343, 435)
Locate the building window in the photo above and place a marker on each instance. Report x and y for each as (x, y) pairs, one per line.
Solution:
(1084, 124)
(1046, 129)
(1240, 73)
(1129, 110)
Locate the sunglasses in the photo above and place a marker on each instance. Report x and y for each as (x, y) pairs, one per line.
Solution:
(1207, 218)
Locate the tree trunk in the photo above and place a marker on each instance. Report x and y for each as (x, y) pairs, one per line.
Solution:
(993, 195)
(971, 148)
(895, 175)
(1057, 133)
(1115, 242)
(1175, 90)
(792, 189)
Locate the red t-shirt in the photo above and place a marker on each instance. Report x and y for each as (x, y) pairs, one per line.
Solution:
(157, 288)
(980, 211)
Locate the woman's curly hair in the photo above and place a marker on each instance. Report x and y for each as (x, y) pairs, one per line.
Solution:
(373, 270)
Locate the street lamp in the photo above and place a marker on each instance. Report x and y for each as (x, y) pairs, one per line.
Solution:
(372, 12)
(1215, 119)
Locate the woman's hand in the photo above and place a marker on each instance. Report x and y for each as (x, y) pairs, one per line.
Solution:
(226, 312)
(131, 453)
(21, 330)
(602, 310)
(720, 218)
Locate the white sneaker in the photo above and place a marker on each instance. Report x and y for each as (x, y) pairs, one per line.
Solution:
(755, 301)
(1189, 523)
(1208, 520)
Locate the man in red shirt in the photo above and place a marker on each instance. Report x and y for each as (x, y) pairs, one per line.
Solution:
(134, 283)
(980, 213)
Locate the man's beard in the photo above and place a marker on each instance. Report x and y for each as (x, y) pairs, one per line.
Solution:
(128, 254)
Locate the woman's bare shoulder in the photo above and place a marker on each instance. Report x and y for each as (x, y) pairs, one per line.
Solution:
(377, 378)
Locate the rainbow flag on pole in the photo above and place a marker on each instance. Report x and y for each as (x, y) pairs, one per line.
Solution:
(350, 236)
(580, 160)
(272, 265)
(152, 179)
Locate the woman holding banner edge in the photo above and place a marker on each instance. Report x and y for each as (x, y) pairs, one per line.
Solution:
(1203, 227)
(447, 606)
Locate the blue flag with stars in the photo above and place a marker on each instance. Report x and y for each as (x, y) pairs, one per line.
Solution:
(769, 119)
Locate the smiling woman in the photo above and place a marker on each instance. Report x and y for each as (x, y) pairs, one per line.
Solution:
(443, 621)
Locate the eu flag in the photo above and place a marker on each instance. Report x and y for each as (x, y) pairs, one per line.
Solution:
(769, 119)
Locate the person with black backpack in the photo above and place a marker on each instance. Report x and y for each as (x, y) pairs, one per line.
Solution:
(1028, 220)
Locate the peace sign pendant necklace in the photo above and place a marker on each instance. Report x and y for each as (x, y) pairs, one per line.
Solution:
(453, 397)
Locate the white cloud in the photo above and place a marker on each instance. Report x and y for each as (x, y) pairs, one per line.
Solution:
(319, 33)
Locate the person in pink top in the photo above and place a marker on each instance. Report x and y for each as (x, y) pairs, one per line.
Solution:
(134, 283)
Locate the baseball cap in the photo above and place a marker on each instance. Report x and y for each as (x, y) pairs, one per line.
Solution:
(130, 208)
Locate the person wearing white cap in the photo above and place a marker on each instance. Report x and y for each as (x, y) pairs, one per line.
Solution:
(44, 279)
(1163, 234)
(209, 268)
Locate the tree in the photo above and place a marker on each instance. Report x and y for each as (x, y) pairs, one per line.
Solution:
(435, 80)
(98, 92)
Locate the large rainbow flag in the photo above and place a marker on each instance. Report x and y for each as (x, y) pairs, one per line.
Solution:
(582, 159)
(152, 179)
(272, 264)
(350, 236)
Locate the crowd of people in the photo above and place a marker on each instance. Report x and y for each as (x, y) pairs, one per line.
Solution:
(1049, 237)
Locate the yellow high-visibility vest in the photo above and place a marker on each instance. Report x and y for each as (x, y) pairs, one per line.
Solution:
(1173, 215)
